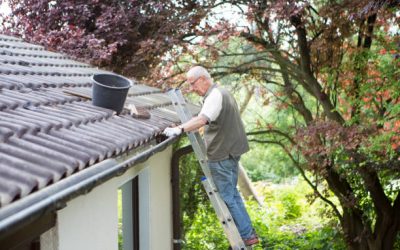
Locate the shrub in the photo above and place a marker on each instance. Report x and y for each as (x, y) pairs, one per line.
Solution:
(292, 208)
(286, 222)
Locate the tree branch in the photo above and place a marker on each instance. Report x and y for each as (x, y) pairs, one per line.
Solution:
(272, 131)
(298, 103)
(247, 98)
(374, 187)
(304, 50)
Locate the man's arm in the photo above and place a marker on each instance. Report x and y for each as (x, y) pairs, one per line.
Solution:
(209, 112)
(191, 125)
(194, 123)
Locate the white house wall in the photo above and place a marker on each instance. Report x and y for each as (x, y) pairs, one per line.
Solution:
(160, 205)
(90, 221)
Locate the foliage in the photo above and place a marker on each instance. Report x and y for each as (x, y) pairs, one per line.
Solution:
(204, 231)
(120, 235)
(292, 209)
(192, 195)
(126, 36)
(276, 230)
(267, 162)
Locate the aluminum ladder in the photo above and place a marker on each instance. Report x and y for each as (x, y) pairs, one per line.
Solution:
(218, 204)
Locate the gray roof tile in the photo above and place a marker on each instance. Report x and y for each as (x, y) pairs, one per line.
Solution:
(47, 134)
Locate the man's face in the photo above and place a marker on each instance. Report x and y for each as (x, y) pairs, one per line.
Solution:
(198, 85)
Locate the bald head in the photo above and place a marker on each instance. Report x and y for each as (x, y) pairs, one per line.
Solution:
(197, 72)
(199, 79)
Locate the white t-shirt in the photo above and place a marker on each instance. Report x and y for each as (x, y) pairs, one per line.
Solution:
(212, 105)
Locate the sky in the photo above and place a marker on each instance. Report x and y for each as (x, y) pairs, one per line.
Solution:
(4, 8)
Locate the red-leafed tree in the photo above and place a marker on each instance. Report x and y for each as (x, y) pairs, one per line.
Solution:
(127, 37)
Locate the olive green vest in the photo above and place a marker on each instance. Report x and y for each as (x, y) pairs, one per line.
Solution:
(225, 136)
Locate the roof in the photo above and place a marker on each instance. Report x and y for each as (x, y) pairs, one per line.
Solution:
(47, 134)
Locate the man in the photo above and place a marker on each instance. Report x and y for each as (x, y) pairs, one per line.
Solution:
(225, 141)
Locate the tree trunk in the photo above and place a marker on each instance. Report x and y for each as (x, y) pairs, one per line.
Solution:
(358, 237)
(247, 98)
(354, 233)
(245, 186)
(384, 237)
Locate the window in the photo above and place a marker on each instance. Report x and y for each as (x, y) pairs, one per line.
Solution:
(128, 215)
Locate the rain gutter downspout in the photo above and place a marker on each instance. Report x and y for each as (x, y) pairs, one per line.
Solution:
(176, 213)
(54, 197)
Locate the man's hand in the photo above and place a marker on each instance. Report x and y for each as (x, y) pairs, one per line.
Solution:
(172, 131)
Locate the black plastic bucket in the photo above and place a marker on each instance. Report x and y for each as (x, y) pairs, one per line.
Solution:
(110, 91)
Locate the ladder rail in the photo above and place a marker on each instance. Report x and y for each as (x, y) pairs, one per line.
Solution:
(199, 148)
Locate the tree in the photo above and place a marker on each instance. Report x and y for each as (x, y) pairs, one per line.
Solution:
(333, 67)
(127, 37)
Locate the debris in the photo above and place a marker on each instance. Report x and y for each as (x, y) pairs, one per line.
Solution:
(138, 112)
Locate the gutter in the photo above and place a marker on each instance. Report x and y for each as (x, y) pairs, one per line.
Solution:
(176, 209)
(24, 211)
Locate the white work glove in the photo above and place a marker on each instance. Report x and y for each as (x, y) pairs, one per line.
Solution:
(172, 131)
